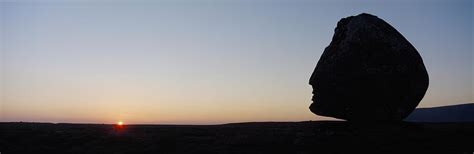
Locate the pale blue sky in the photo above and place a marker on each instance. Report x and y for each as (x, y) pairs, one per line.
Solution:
(202, 61)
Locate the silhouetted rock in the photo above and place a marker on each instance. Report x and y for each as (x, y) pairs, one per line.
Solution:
(368, 72)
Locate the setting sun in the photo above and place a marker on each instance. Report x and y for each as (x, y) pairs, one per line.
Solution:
(120, 123)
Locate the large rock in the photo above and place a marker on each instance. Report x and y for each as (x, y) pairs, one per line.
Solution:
(369, 72)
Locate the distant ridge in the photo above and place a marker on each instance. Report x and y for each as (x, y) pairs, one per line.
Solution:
(453, 113)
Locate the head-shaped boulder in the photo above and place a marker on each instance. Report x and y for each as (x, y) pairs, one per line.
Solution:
(369, 72)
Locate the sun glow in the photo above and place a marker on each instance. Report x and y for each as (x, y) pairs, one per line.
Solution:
(120, 123)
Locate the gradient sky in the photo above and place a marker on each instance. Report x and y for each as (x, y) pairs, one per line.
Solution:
(202, 62)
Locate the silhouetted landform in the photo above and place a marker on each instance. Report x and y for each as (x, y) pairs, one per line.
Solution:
(369, 72)
(257, 137)
(453, 113)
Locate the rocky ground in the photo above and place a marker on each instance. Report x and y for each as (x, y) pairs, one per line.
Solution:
(258, 137)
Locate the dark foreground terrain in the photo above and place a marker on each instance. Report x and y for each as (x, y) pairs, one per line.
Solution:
(264, 137)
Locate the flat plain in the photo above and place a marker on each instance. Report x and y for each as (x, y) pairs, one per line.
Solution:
(252, 137)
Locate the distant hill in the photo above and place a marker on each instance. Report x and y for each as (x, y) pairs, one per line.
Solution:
(453, 113)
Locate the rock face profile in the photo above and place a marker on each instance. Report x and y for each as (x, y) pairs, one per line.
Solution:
(369, 72)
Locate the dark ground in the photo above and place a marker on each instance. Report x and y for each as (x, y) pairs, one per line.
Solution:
(261, 137)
